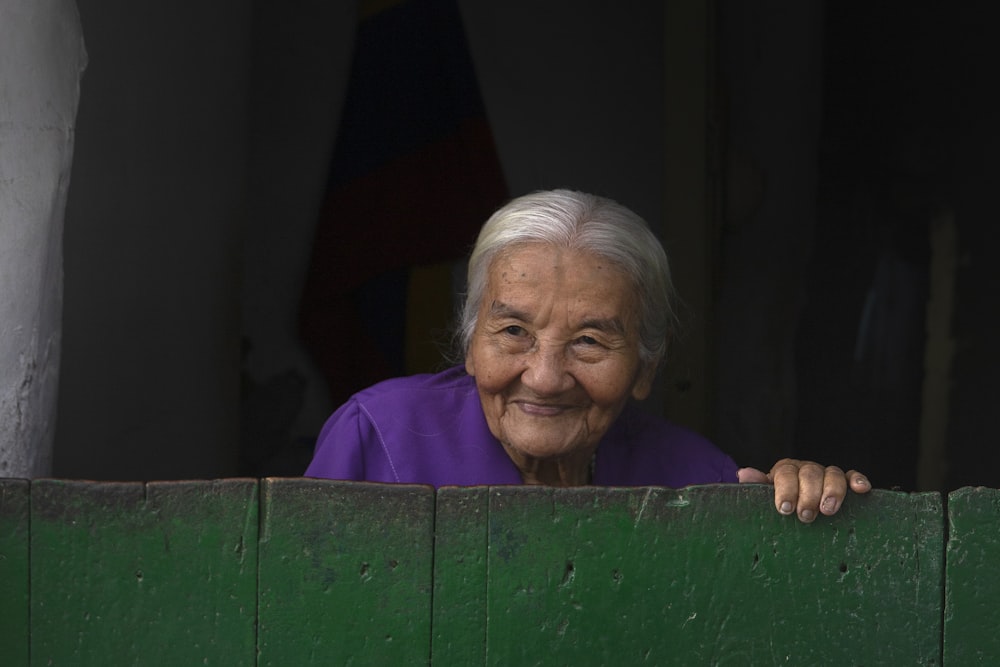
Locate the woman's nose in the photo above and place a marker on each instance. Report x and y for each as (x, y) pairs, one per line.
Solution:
(546, 372)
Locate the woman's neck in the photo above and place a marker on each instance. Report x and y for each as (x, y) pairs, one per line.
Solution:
(573, 470)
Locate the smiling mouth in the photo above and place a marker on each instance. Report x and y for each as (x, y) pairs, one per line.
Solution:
(541, 409)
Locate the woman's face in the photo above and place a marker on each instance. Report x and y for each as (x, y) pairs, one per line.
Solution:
(555, 352)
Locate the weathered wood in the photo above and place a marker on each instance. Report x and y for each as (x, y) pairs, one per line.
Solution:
(14, 626)
(345, 573)
(167, 573)
(460, 577)
(137, 574)
(711, 575)
(972, 578)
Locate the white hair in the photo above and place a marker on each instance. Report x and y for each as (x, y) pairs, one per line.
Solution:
(580, 221)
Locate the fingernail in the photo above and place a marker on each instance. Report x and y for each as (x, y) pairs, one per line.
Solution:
(786, 508)
(830, 504)
(808, 515)
(862, 481)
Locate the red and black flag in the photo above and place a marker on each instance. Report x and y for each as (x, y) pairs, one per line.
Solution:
(413, 175)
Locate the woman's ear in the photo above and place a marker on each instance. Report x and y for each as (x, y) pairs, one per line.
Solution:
(647, 374)
(644, 382)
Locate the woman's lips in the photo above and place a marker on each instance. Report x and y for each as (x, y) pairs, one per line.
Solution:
(540, 409)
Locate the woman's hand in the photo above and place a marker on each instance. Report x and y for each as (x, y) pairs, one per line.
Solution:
(806, 487)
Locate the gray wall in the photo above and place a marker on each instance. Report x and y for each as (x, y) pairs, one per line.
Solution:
(42, 58)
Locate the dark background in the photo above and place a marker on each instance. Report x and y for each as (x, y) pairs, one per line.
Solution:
(246, 173)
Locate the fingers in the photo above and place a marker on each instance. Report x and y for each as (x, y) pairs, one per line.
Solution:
(809, 489)
(811, 480)
(797, 487)
(752, 476)
(859, 483)
(834, 490)
(806, 488)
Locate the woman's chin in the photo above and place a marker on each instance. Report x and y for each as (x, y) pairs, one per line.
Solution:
(544, 448)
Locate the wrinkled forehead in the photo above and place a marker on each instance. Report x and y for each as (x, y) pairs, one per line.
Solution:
(536, 273)
(538, 256)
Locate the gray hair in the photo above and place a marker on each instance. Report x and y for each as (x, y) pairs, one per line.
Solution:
(586, 222)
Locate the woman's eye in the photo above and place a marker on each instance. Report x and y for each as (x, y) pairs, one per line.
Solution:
(514, 330)
(586, 340)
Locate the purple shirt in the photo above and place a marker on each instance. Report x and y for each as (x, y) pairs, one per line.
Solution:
(430, 429)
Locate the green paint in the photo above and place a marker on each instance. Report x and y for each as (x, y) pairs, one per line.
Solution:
(14, 571)
(369, 574)
(710, 576)
(460, 577)
(143, 574)
(972, 584)
(345, 573)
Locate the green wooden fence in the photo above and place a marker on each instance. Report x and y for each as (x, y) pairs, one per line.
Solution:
(310, 572)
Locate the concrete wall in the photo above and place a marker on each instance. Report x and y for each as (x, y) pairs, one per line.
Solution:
(43, 56)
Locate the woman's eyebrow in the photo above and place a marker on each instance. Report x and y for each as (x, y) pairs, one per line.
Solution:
(610, 325)
(501, 309)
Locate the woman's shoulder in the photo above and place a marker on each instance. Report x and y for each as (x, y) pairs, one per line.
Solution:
(647, 449)
(449, 377)
(640, 426)
(421, 429)
(424, 388)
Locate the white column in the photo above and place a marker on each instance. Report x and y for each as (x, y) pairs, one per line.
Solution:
(41, 60)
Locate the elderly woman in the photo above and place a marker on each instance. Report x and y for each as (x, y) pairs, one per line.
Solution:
(567, 318)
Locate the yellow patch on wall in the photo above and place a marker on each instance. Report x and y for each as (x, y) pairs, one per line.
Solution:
(429, 312)
(369, 8)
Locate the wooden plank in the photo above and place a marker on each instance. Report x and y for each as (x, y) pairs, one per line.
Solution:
(972, 578)
(460, 544)
(345, 573)
(711, 575)
(14, 571)
(127, 573)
